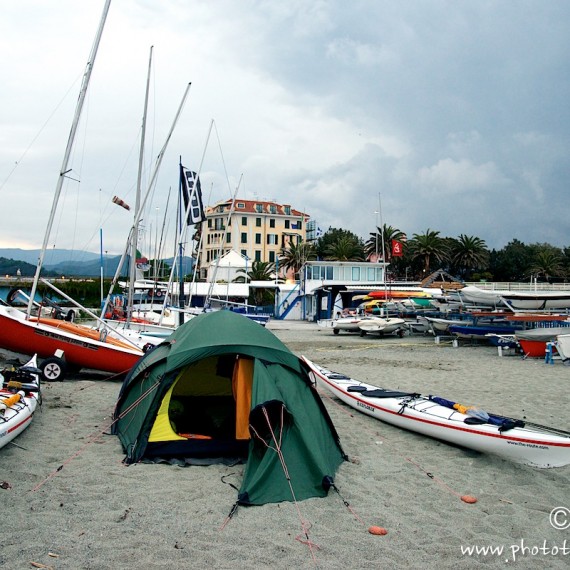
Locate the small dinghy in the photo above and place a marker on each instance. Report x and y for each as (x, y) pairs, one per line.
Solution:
(19, 397)
(516, 440)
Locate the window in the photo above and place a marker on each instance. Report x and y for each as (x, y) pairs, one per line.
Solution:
(244, 221)
(356, 274)
(258, 238)
(272, 239)
(272, 223)
(257, 222)
(228, 237)
(244, 253)
(287, 224)
(243, 237)
(272, 209)
(259, 208)
(287, 210)
(271, 257)
(219, 224)
(257, 255)
(241, 205)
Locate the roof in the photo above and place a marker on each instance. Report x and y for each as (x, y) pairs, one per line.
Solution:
(250, 207)
(231, 259)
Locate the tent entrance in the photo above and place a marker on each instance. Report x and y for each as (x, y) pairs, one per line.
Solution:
(206, 410)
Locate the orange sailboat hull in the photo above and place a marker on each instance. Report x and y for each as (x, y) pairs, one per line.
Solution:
(81, 345)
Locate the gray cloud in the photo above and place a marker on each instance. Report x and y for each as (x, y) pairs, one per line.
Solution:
(453, 114)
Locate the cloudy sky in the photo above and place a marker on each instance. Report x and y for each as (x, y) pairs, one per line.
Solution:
(444, 115)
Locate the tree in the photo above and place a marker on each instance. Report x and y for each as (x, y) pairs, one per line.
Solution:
(260, 271)
(511, 263)
(296, 255)
(548, 262)
(468, 253)
(374, 244)
(333, 236)
(428, 246)
(345, 248)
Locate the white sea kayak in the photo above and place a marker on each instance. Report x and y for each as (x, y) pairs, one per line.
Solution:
(516, 440)
(19, 398)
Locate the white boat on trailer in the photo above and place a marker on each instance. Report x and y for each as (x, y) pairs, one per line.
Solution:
(383, 326)
(516, 440)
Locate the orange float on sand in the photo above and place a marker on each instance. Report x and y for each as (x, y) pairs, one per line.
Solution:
(378, 530)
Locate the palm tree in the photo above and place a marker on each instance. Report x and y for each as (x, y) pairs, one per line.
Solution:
(296, 255)
(374, 244)
(547, 262)
(428, 246)
(468, 252)
(345, 248)
(260, 271)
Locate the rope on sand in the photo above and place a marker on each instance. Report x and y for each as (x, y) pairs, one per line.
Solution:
(469, 499)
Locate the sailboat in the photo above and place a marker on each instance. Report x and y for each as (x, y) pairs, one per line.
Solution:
(64, 344)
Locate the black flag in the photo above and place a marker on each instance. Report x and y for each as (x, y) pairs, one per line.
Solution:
(192, 194)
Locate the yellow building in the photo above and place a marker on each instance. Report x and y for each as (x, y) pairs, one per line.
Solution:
(256, 229)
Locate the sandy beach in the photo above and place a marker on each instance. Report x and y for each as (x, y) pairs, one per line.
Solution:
(70, 503)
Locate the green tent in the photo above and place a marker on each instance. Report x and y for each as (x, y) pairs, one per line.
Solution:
(223, 386)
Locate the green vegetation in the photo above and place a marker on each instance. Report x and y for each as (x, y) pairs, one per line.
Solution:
(467, 257)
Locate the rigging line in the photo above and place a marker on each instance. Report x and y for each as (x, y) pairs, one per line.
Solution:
(278, 449)
(95, 437)
(222, 157)
(23, 155)
(324, 395)
(85, 123)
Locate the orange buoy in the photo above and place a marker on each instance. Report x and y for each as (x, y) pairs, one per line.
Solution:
(378, 530)
(469, 499)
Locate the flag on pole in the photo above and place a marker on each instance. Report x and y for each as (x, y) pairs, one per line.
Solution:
(397, 248)
(192, 194)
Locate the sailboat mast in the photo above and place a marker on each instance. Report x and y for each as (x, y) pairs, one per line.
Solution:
(134, 243)
(181, 221)
(383, 247)
(145, 197)
(64, 167)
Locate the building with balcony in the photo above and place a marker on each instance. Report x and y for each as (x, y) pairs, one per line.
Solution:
(256, 229)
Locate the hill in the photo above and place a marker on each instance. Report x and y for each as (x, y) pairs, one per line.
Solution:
(70, 263)
(52, 257)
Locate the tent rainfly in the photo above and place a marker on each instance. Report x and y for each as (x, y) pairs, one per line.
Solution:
(223, 386)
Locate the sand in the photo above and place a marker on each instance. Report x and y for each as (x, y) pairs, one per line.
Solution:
(72, 504)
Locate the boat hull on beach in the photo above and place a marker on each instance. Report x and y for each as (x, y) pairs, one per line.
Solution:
(382, 326)
(536, 301)
(19, 397)
(530, 444)
(82, 346)
(533, 341)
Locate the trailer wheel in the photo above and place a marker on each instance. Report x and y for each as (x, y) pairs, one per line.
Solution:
(53, 369)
